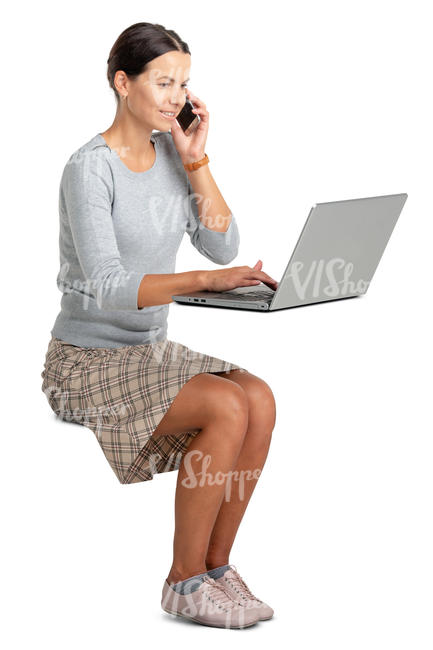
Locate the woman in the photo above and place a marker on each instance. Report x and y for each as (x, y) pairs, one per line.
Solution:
(126, 199)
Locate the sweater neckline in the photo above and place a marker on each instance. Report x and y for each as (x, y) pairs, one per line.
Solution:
(125, 170)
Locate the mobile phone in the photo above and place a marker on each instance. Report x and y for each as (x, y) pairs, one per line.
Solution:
(188, 120)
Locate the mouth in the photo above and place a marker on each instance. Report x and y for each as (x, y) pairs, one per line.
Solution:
(168, 115)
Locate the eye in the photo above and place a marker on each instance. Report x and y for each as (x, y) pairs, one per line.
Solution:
(167, 84)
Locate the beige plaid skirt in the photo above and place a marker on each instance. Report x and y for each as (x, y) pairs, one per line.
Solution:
(122, 394)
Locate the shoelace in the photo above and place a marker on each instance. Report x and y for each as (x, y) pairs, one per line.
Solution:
(239, 582)
(218, 594)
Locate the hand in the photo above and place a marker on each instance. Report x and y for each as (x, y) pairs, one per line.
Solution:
(238, 276)
(192, 147)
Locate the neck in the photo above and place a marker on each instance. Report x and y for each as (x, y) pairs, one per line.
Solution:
(130, 139)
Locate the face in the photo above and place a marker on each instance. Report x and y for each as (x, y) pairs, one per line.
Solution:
(163, 87)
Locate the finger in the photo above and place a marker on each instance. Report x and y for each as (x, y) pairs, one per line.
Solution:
(204, 114)
(261, 275)
(270, 283)
(267, 280)
(195, 99)
(266, 275)
(200, 111)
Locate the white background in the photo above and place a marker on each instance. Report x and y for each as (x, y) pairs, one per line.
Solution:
(309, 102)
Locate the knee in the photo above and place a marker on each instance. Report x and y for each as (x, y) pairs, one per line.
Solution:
(228, 401)
(235, 400)
(262, 401)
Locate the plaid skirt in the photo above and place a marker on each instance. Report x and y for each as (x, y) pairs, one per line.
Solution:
(122, 394)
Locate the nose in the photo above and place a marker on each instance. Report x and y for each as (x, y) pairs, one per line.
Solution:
(178, 97)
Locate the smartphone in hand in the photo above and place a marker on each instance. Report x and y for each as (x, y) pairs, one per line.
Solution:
(188, 120)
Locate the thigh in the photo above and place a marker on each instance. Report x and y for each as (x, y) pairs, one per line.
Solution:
(247, 380)
(204, 397)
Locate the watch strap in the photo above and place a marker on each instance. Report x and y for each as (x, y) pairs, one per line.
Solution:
(198, 163)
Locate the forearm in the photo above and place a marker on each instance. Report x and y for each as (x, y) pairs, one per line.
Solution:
(158, 289)
(213, 210)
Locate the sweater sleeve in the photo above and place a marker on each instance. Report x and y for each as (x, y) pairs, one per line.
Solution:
(219, 247)
(88, 194)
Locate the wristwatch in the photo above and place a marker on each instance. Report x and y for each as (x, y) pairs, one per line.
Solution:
(198, 163)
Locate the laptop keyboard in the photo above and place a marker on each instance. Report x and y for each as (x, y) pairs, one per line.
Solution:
(249, 295)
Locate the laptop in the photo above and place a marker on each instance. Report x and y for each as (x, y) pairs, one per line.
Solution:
(336, 256)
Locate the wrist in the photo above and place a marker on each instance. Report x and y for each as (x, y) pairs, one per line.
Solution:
(193, 163)
(190, 159)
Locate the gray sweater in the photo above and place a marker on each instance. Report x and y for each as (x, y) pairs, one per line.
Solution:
(116, 225)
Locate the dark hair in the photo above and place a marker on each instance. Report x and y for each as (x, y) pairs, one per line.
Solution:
(139, 44)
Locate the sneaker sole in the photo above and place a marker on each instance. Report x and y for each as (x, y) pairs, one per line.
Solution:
(191, 618)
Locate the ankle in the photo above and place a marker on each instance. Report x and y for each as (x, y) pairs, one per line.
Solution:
(177, 574)
(213, 564)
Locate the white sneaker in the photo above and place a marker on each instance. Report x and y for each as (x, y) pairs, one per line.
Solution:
(210, 604)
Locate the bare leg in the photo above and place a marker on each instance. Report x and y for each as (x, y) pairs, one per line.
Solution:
(262, 416)
(219, 408)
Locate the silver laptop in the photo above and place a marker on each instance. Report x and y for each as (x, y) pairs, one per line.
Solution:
(336, 255)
